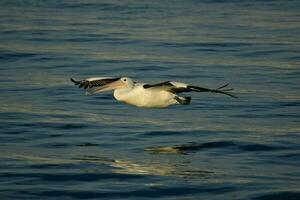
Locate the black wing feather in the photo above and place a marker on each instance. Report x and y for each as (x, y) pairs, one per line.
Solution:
(220, 90)
(95, 83)
(166, 83)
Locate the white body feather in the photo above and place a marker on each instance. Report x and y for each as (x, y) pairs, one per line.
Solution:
(141, 97)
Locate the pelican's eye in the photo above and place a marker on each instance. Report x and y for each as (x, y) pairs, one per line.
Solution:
(125, 79)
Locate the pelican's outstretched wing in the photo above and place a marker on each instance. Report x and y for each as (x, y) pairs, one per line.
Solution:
(177, 87)
(94, 82)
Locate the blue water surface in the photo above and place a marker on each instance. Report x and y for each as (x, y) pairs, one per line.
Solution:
(57, 143)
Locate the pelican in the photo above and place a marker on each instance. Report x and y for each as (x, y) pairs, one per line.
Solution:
(145, 95)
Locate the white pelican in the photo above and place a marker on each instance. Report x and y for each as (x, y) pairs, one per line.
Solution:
(158, 95)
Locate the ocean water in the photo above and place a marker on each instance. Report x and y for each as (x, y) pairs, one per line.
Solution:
(57, 143)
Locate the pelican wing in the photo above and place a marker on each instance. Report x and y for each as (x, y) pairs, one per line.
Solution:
(221, 90)
(159, 85)
(94, 82)
(177, 87)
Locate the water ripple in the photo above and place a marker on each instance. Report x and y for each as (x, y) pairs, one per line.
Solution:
(291, 195)
(236, 146)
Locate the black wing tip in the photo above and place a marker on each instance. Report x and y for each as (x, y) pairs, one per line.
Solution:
(81, 84)
(222, 90)
(75, 82)
(231, 95)
(223, 86)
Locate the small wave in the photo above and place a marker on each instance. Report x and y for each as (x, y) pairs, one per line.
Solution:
(14, 56)
(71, 176)
(207, 44)
(289, 195)
(186, 148)
(266, 53)
(87, 144)
(164, 133)
(154, 192)
(55, 125)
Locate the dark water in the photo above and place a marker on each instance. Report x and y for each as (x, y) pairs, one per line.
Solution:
(57, 143)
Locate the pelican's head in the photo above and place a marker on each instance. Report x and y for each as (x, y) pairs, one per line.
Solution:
(116, 84)
(128, 82)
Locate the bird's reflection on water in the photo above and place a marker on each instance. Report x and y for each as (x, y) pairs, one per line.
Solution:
(161, 169)
(117, 166)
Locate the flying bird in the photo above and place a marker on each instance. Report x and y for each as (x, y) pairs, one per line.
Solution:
(158, 95)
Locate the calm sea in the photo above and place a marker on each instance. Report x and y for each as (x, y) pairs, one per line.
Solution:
(57, 143)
